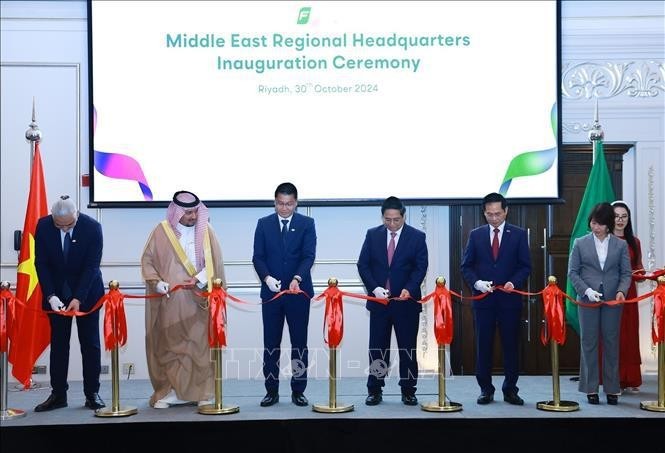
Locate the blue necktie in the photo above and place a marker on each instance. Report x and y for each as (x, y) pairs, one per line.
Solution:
(65, 245)
(66, 291)
(285, 230)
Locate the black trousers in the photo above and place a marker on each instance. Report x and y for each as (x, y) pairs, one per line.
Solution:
(88, 334)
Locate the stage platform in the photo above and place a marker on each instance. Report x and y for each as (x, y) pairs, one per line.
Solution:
(390, 426)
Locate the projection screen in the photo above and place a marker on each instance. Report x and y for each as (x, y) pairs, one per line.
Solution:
(435, 102)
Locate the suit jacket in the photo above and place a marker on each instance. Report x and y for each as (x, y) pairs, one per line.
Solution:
(283, 261)
(81, 271)
(512, 265)
(408, 267)
(584, 268)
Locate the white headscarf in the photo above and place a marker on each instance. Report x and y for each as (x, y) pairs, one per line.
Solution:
(182, 201)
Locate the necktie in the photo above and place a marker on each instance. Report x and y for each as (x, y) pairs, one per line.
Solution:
(495, 244)
(391, 253)
(391, 247)
(65, 245)
(285, 230)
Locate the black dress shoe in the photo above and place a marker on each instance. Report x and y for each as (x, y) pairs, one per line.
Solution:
(269, 399)
(513, 398)
(409, 400)
(593, 398)
(373, 399)
(612, 399)
(52, 402)
(299, 399)
(94, 402)
(485, 398)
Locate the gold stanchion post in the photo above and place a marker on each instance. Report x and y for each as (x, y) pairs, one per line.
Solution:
(5, 412)
(333, 407)
(556, 405)
(441, 405)
(658, 406)
(116, 410)
(218, 408)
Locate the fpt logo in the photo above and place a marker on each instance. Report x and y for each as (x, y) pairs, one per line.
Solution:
(303, 15)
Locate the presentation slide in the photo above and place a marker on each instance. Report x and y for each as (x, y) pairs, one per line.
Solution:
(434, 102)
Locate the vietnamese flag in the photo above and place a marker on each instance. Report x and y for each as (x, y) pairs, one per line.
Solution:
(32, 332)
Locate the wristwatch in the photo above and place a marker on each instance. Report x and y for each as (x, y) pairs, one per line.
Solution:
(298, 278)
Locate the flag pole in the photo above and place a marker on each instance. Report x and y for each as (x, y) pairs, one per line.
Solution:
(596, 134)
(34, 136)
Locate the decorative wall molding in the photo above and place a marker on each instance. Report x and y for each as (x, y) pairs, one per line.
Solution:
(424, 324)
(602, 80)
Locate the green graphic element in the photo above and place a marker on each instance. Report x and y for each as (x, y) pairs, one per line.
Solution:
(303, 15)
(531, 163)
(598, 189)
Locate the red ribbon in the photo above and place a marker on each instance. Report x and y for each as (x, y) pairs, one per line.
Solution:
(555, 319)
(334, 316)
(217, 319)
(8, 319)
(640, 275)
(115, 322)
(334, 313)
(658, 320)
(443, 314)
(289, 291)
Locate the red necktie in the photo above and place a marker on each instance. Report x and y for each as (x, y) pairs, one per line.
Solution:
(391, 253)
(391, 248)
(495, 244)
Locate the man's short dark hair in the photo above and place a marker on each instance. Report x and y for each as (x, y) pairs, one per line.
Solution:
(287, 188)
(393, 203)
(603, 214)
(495, 198)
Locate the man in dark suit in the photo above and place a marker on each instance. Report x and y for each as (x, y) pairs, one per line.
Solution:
(393, 262)
(497, 254)
(284, 252)
(68, 251)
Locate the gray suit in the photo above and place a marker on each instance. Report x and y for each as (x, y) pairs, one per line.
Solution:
(599, 324)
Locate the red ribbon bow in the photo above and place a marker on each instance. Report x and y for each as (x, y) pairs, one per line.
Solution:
(334, 316)
(115, 322)
(555, 320)
(217, 319)
(8, 319)
(443, 314)
(658, 322)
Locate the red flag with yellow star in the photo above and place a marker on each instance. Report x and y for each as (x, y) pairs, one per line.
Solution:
(32, 332)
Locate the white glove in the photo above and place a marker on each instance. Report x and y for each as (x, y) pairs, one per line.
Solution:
(381, 293)
(274, 285)
(483, 286)
(56, 303)
(162, 287)
(593, 296)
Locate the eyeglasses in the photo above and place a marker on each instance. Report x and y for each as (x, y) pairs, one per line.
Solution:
(621, 217)
(494, 214)
(280, 204)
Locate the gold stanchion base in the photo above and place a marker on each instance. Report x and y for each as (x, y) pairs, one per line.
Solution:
(563, 406)
(448, 407)
(214, 409)
(123, 411)
(651, 406)
(11, 413)
(327, 409)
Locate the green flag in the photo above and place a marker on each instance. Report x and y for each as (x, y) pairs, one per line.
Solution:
(598, 189)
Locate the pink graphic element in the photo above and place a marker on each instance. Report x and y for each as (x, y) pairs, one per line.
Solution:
(120, 166)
